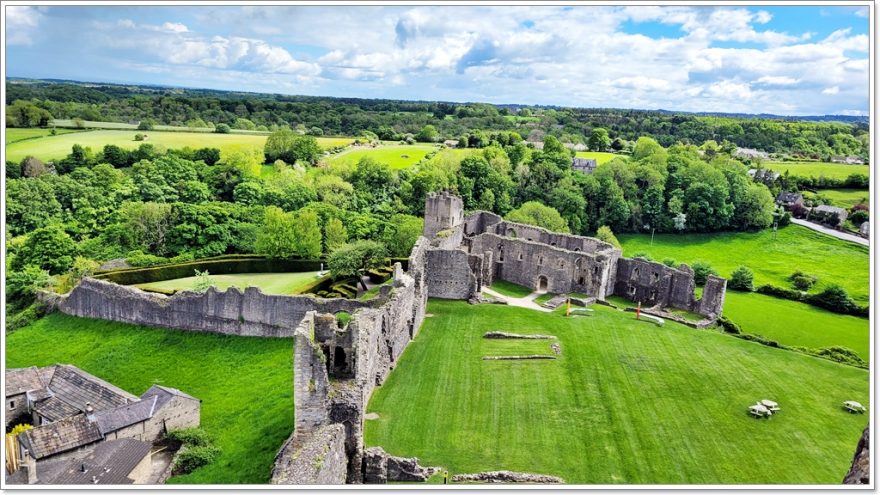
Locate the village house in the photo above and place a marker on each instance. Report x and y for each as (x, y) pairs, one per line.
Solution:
(583, 165)
(750, 153)
(849, 160)
(824, 211)
(451, 143)
(73, 411)
(865, 228)
(114, 462)
(789, 199)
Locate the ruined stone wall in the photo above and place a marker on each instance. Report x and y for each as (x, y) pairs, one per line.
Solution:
(553, 239)
(449, 274)
(860, 471)
(231, 312)
(442, 211)
(320, 461)
(712, 302)
(654, 284)
(525, 262)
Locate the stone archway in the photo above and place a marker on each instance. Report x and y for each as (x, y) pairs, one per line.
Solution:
(542, 283)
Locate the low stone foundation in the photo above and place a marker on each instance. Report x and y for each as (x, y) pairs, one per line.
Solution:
(505, 335)
(516, 358)
(381, 467)
(506, 477)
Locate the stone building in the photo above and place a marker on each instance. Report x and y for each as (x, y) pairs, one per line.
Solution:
(823, 212)
(114, 462)
(788, 200)
(584, 165)
(72, 411)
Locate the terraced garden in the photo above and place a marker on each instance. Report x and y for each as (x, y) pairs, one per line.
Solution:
(626, 402)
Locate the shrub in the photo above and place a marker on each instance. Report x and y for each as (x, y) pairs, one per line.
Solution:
(858, 216)
(802, 281)
(834, 298)
(203, 281)
(742, 279)
(772, 290)
(222, 129)
(146, 125)
(841, 355)
(784, 219)
(22, 285)
(196, 437)
(139, 137)
(192, 458)
(702, 270)
(671, 263)
(729, 326)
(24, 317)
(643, 255)
(605, 234)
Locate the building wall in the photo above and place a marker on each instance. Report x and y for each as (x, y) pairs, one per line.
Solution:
(141, 473)
(449, 274)
(16, 408)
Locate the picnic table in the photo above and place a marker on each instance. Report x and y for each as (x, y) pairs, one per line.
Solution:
(760, 411)
(853, 407)
(769, 404)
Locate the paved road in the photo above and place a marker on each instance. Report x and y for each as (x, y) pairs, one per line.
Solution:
(831, 232)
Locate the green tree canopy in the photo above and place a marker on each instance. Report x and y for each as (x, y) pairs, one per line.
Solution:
(535, 213)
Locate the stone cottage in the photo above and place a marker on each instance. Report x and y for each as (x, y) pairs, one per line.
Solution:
(114, 462)
(583, 165)
(788, 200)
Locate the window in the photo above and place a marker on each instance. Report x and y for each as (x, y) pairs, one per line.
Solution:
(632, 291)
(561, 264)
(636, 272)
(656, 276)
(577, 262)
(595, 270)
(581, 280)
(540, 260)
(520, 256)
(12, 404)
(501, 255)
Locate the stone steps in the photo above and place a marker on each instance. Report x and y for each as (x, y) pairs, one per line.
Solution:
(555, 302)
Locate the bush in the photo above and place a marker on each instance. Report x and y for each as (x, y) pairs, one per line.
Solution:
(742, 279)
(858, 217)
(22, 285)
(784, 219)
(24, 317)
(671, 263)
(802, 281)
(834, 298)
(772, 290)
(729, 326)
(192, 458)
(139, 137)
(222, 129)
(702, 270)
(146, 125)
(195, 437)
(841, 355)
(643, 255)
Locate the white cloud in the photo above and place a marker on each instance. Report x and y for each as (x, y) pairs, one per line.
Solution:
(777, 80)
(175, 27)
(22, 23)
(833, 90)
(641, 83)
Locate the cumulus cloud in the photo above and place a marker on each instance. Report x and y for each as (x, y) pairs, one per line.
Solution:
(777, 80)
(833, 90)
(21, 24)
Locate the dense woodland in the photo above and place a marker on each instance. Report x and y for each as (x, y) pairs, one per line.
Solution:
(35, 103)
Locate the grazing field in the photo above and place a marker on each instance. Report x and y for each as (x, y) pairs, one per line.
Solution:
(57, 147)
(817, 169)
(14, 134)
(396, 156)
(773, 261)
(797, 324)
(600, 157)
(626, 402)
(269, 283)
(244, 382)
(845, 198)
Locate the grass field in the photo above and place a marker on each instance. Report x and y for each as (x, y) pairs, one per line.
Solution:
(845, 198)
(797, 324)
(599, 156)
(269, 283)
(244, 382)
(626, 402)
(817, 169)
(397, 156)
(14, 134)
(773, 261)
(56, 147)
(510, 289)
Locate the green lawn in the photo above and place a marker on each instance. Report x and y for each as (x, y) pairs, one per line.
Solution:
(396, 156)
(14, 134)
(510, 289)
(244, 382)
(56, 147)
(845, 198)
(773, 261)
(817, 169)
(269, 283)
(626, 402)
(797, 324)
(599, 156)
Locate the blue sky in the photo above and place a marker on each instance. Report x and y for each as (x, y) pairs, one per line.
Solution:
(793, 60)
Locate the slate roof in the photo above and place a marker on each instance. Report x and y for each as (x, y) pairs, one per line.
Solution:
(586, 165)
(60, 436)
(117, 418)
(109, 463)
(788, 197)
(164, 394)
(77, 388)
(54, 409)
(831, 209)
(20, 380)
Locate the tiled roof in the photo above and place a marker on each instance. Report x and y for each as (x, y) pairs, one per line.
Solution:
(164, 394)
(109, 464)
(54, 409)
(20, 380)
(114, 419)
(60, 436)
(77, 388)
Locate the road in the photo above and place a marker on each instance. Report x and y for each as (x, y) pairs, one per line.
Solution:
(825, 230)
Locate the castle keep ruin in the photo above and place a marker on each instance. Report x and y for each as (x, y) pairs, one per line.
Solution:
(337, 366)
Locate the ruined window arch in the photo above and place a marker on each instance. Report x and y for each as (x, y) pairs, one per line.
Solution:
(540, 260)
(581, 280)
(636, 272)
(655, 276)
(542, 283)
(577, 249)
(501, 255)
(561, 264)
(577, 262)
(520, 256)
(511, 233)
(632, 291)
(595, 270)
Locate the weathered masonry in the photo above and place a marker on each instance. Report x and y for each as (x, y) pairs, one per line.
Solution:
(471, 252)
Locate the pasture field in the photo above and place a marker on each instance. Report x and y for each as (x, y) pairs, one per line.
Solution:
(797, 324)
(15, 134)
(599, 156)
(57, 147)
(845, 198)
(773, 261)
(626, 402)
(269, 283)
(92, 124)
(396, 156)
(817, 169)
(244, 382)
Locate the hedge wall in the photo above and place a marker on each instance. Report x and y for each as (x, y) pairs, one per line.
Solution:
(814, 300)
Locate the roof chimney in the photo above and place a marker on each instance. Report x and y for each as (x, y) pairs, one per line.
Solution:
(89, 408)
(30, 466)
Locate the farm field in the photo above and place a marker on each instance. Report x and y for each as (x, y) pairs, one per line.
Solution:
(845, 198)
(57, 147)
(797, 324)
(817, 169)
(269, 283)
(397, 157)
(773, 261)
(15, 134)
(244, 382)
(599, 156)
(92, 124)
(622, 390)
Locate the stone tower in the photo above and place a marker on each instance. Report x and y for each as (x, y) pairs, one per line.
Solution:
(442, 211)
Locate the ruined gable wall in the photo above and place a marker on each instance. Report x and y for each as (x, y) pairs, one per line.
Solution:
(231, 312)
(657, 284)
(449, 274)
(712, 302)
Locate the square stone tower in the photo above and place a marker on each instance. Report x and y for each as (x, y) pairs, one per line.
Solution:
(442, 211)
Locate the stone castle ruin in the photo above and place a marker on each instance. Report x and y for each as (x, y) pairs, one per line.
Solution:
(337, 365)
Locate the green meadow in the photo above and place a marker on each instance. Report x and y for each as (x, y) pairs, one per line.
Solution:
(244, 382)
(626, 402)
(15, 134)
(772, 260)
(817, 169)
(396, 156)
(269, 283)
(599, 156)
(845, 198)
